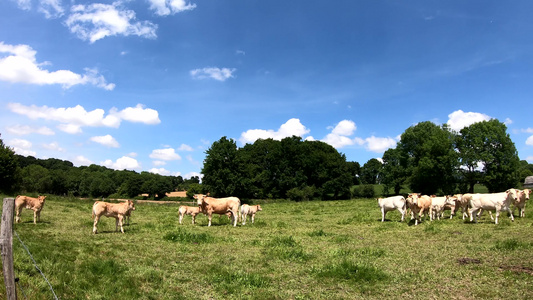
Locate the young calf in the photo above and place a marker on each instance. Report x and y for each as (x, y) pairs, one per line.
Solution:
(112, 210)
(35, 204)
(247, 210)
(188, 210)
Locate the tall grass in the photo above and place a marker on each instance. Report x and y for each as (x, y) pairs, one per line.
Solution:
(303, 250)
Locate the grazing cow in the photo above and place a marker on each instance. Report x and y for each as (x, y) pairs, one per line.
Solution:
(189, 210)
(35, 204)
(521, 202)
(437, 206)
(419, 205)
(112, 210)
(392, 203)
(248, 210)
(221, 206)
(491, 202)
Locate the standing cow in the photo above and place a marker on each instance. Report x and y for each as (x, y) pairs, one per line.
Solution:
(249, 210)
(491, 202)
(392, 203)
(521, 202)
(112, 210)
(35, 204)
(188, 210)
(220, 206)
(419, 204)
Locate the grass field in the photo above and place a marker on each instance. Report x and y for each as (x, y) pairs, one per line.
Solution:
(306, 250)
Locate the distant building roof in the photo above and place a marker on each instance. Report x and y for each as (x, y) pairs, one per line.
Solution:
(528, 182)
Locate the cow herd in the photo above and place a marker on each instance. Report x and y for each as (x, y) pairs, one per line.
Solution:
(230, 206)
(470, 204)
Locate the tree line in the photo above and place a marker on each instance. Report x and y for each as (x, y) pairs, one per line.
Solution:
(429, 158)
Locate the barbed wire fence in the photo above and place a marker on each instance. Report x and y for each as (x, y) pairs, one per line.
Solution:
(36, 267)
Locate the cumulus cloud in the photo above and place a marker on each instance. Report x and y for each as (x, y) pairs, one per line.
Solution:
(81, 160)
(379, 144)
(460, 119)
(214, 73)
(123, 163)
(164, 154)
(96, 21)
(106, 140)
(170, 7)
(159, 163)
(529, 141)
(185, 147)
(54, 146)
(21, 147)
(73, 118)
(290, 128)
(528, 130)
(18, 65)
(340, 135)
(26, 129)
(51, 8)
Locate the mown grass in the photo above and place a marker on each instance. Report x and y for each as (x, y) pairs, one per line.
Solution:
(304, 250)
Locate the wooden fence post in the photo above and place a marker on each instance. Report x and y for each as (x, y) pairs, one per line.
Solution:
(6, 243)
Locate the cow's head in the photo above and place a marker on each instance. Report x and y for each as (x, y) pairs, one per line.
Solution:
(259, 207)
(131, 205)
(413, 198)
(513, 194)
(41, 199)
(199, 199)
(525, 193)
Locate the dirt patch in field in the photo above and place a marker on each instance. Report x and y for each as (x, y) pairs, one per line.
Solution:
(467, 260)
(518, 269)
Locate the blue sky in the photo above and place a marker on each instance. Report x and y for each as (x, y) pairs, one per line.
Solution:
(149, 85)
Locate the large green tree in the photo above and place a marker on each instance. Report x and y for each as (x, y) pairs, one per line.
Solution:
(430, 159)
(221, 171)
(8, 168)
(487, 144)
(393, 174)
(370, 171)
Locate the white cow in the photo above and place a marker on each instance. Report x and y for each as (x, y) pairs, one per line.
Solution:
(459, 203)
(521, 202)
(248, 210)
(392, 203)
(492, 202)
(437, 207)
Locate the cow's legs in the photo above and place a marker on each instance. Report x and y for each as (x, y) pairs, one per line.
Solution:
(193, 218)
(181, 218)
(243, 218)
(383, 213)
(39, 216)
(209, 216)
(17, 217)
(402, 211)
(253, 218)
(119, 222)
(234, 218)
(96, 218)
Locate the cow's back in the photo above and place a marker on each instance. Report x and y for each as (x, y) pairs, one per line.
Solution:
(392, 202)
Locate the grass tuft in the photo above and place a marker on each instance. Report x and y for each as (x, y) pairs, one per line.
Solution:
(348, 270)
(186, 237)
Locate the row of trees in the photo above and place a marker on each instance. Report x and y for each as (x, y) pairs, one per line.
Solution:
(53, 176)
(428, 158)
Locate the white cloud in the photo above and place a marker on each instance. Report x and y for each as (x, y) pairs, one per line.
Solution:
(54, 146)
(379, 144)
(138, 114)
(106, 140)
(508, 121)
(24, 4)
(164, 154)
(191, 174)
(132, 154)
(214, 73)
(528, 130)
(25, 129)
(73, 118)
(339, 136)
(159, 163)
(529, 141)
(96, 21)
(460, 119)
(18, 65)
(170, 7)
(123, 163)
(290, 128)
(185, 147)
(51, 8)
(21, 147)
(529, 159)
(81, 160)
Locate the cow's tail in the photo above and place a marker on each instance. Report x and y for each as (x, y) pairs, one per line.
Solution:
(94, 214)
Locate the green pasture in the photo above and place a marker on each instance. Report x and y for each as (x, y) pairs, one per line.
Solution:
(295, 250)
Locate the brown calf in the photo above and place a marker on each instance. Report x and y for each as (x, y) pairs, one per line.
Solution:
(221, 206)
(188, 210)
(112, 210)
(35, 204)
